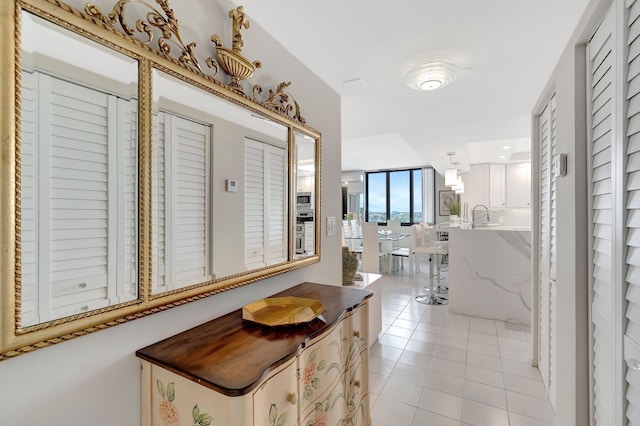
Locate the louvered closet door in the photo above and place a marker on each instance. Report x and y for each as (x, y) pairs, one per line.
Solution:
(547, 257)
(180, 203)
(127, 190)
(29, 199)
(265, 204)
(158, 205)
(78, 199)
(78, 183)
(553, 306)
(254, 201)
(543, 261)
(601, 120)
(191, 143)
(277, 205)
(632, 168)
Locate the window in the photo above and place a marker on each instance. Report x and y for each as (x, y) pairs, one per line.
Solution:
(399, 195)
(417, 195)
(377, 200)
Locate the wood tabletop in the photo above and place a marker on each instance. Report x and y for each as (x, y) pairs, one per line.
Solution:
(232, 356)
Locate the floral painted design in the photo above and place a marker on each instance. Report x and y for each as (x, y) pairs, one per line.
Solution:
(320, 416)
(274, 420)
(200, 419)
(310, 379)
(169, 412)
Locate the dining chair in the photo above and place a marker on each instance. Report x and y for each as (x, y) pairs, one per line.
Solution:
(372, 256)
(353, 242)
(395, 226)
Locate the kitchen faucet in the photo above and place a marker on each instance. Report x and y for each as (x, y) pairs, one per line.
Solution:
(473, 214)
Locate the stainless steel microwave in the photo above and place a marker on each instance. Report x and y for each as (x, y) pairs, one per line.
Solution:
(303, 199)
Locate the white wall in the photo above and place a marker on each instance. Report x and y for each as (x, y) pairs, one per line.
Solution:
(440, 187)
(568, 82)
(95, 379)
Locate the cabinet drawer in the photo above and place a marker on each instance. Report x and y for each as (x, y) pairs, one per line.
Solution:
(174, 400)
(275, 402)
(357, 390)
(358, 332)
(321, 364)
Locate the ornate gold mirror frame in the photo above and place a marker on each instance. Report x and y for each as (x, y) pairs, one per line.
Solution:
(154, 42)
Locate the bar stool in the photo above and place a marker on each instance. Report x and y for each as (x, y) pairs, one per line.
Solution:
(440, 238)
(435, 250)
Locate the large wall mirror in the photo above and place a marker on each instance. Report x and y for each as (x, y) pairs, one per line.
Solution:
(132, 180)
(306, 218)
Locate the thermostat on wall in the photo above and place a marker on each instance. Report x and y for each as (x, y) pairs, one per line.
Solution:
(232, 185)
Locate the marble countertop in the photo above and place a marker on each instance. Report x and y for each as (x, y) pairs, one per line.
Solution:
(490, 273)
(489, 227)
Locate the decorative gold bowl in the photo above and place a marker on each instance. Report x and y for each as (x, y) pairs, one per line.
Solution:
(235, 64)
(274, 311)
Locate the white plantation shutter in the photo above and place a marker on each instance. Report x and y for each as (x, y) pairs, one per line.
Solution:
(553, 306)
(547, 255)
(277, 205)
(191, 142)
(79, 221)
(29, 174)
(552, 192)
(265, 204)
(180, 204)
(254, 201)
(158, 205)
(632, 228)
(601, 68)
(128, 200)
(543, 262)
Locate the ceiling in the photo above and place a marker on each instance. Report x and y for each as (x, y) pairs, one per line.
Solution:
(362, 49)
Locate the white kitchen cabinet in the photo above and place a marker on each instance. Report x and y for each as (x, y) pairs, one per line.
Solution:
(518, 185)
(309, 237)
(323, 381)
(497, 177)
(478, 185)
(500, 186)
(487, 185)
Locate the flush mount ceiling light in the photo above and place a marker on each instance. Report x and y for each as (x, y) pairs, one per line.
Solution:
(432, 75)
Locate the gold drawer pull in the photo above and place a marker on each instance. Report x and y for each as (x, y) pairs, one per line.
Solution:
(356, 383)
(292, 398)
(356, 333)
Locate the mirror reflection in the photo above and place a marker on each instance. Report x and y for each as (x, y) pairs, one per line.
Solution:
(305, 195)
(220, 187)
(79, 177)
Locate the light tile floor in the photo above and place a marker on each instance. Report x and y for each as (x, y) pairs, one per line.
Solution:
(432, 367)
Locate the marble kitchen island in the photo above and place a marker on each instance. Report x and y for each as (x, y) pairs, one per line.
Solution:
(490, 273)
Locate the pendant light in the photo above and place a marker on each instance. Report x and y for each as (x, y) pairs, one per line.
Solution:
(459, 187)
(451, 172)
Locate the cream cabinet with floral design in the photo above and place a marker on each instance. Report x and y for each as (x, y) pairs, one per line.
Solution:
(241, 373)
(275, 402)
(322, 365)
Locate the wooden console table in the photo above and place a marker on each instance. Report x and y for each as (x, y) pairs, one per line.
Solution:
(233, 372)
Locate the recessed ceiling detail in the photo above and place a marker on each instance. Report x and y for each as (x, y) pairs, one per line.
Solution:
(432, 75)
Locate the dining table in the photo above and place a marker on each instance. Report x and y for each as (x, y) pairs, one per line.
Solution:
(387, 242)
